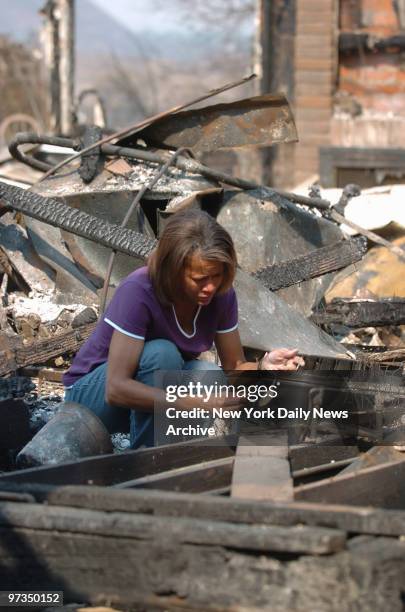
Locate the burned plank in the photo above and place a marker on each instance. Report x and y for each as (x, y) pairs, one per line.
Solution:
(113, 554)
(377, 455)
(307, 456)
(362, 313)
(43, 350)
(193, 531)
(114, 469)
(161, 503)
(380, 485)
(321, 261)
(262, 470)
(196, 478)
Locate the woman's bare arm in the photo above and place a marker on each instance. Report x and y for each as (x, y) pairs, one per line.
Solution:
(121, 388)
(232, 357)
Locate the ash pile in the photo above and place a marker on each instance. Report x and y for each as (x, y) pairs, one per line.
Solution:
(315, 271)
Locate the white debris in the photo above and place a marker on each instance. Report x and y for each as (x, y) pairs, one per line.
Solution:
(40, 304)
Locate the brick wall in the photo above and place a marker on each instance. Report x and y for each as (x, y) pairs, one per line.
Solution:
(315, 76)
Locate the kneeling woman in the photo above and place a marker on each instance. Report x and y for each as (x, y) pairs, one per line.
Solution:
(162, 317)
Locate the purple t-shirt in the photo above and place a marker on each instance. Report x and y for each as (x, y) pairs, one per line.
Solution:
(136, 312)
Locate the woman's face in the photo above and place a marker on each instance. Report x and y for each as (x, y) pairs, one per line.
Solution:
(202, 279)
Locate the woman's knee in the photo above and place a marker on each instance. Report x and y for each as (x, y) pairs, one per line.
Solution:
(161, 355)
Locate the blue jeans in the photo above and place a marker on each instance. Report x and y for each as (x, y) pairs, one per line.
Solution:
(156, 355)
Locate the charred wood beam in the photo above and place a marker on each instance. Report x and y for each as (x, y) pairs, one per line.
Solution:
(41, 351)
(362, 313)
(77, 222)
(120, 469)
(162, 503)
(362, 488)
(197, 478)
(144, 529)
(321, 261)
(355, 42)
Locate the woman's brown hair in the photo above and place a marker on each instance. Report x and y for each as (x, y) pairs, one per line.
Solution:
(188, 233)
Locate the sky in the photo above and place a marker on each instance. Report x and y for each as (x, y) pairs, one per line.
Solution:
(141, 14)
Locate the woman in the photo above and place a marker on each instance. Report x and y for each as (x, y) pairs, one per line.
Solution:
(162, 317)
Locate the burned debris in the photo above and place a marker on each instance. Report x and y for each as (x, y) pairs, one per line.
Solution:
(281, 510)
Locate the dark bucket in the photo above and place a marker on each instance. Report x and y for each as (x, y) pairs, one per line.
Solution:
(74, 432)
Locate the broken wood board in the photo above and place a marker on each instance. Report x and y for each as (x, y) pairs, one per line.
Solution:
(114, 552)
(42, 350)
(301, 539)
(187, 557)
(377, 455)
(117, 468)
(197, 478)
(262, 469)
(362, 313)
(316, 263)
(367, 520)
(380, 485)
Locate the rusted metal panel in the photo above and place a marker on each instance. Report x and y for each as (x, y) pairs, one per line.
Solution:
(257, 121)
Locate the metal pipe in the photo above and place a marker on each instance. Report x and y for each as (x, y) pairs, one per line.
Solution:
(188, 165)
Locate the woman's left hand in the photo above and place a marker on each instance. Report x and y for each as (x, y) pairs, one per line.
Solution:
(282, 359)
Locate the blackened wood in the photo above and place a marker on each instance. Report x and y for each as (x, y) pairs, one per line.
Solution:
(310, 455)
(375, 456)
(314, 540)
(199, 478)
(127, 573)
(318, 262)
(42, 350)
(380, 486)
(356, 42)
(362, 313)
(113, 469)
(160, 503)
(14, 424)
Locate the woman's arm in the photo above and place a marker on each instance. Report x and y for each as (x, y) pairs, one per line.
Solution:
(231, 353)
(232, 357)
(121, 388)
